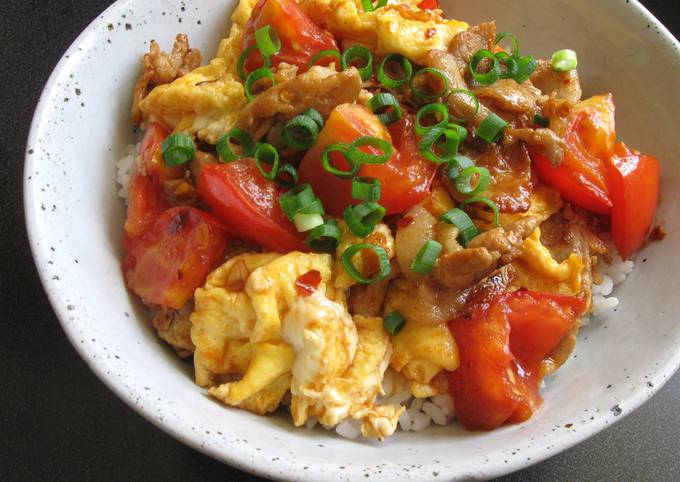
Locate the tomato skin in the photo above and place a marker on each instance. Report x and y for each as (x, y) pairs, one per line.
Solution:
(300, 38)
(501, 348)
(248, 205)
(173, 256)
(145, 202)
(152, 158)
(405, 178)
(634, 186)
(590, 134)
(429, 5)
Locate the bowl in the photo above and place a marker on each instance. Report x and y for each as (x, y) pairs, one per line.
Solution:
(75, 221)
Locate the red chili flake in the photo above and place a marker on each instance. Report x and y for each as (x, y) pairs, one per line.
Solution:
(307, 283)
(658, 233)
(404, 222)
(430, 32)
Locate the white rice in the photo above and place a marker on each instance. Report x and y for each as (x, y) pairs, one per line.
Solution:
(125, 167)
(612, 275)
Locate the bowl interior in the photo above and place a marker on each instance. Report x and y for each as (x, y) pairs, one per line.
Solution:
(75, 223)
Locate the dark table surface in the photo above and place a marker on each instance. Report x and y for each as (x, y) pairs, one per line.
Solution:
(58, 421)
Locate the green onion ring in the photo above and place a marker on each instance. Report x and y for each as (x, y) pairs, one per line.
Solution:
(513, 38)
(254, 76)
(362, 218)
(390, 82)
(223, 146)
(267, 154)
(458, 164)
(564, 60)
(361, 157)
(474, 99)
(343, 148)
(389, 102)
(324, 238)
(426, 258)
(464, 180)
(460, 130)
(394, 322)
(527, 66)
(178, 149)
(541, 121)
(296, 199)
(460, 219)
(383, 260)
(300, 132)
(485, 78)
(488, 202)
(358, 52)
(240, 65)
(422, 94)
(267, 41)
(438, 111)
(511, 64)
(491, 128)
(369, 7)
(366, 189)
(291, 171)
(323, 54)
(315, 115)
(430, 140)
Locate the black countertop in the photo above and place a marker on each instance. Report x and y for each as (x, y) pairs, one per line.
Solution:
(58, 421)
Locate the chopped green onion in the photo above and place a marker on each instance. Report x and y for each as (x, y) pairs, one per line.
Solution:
(325, 237)
(343, 148)
(267, 154)
(362, 157)
(511, 64)
(254, 76)
(564, 60)
(386, 107)
(300, 132)
(491, 128)
(513, 38)
(460, 219)
(474, 99)
(290, 170)
(394, 322)
(369, 6)
(315, 115)
(322, 55)
(458, 164)
(431, 141)
(366, 189)
(527, 65)
(314, 207)
(362, 218)
(178, 149)
(361, 53)
(539, 120)
(267, 41)
(426, 257)
(240, 65)
(242, 138)
(434, 95)
(460, 130)
(307, 222)
(294, 200)
(488, 202)
(391, 82)
(383, 261)
(473, 180)
(438, 111)
(485, 78)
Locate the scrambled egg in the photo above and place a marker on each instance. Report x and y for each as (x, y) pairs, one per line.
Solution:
(402, 29)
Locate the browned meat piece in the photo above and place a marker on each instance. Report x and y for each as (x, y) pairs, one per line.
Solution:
(320, 88)
(410, 239)
(466, 44)
(175, 328)
(509, 96)
(546, 138)
(448, 64)
(162, 68)
(561, 85)
(368, 300)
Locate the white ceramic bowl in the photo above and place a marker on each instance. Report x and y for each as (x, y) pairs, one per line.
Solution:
(75, 223)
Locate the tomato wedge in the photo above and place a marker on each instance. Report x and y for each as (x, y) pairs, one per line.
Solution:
(248, 205)
(405, 178)
(582, 177)
(174, 256)
(634, 187)
(152, 158)
(429, 5)
(145, 203)
(300, 38)
(501, 348)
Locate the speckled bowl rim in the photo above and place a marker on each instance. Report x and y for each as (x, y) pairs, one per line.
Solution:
(195, 439)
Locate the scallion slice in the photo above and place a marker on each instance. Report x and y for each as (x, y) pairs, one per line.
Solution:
(240, 64)
(434, 94)
(366, 189)
(315, 115)
(473, 180)
(178, 149)
(254, 76)
(383, 262)
(526, 65)
(436, 150)
(485, 78)
(466, 228)
(513, 38)
(438, 111)
(287, 176)
(491, 128)
(267, 154)
(488, 202)
(322, 55)
(390, 82)
(460, 130)
(511, 64)
(475, 101)
(458, 164)
(295, 200)
(369, 6)
(342, 148)
(241, 138)
(267, 41)
(300, 132)
(324, 238)
(307, 222)
(362, 218)
(362, 157)
(564, 60)
(542, 121)
(394, 322)
(358, 53)
(426, 257)
(386, 107)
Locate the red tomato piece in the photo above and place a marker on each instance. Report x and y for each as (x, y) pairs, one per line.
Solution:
(582, 176)
(248, 205)
(145, 203)
(634, 187)
(429, 5)
(152, 157)
(174, 256)
(300, 38)
(405, 179)
(501, 348)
